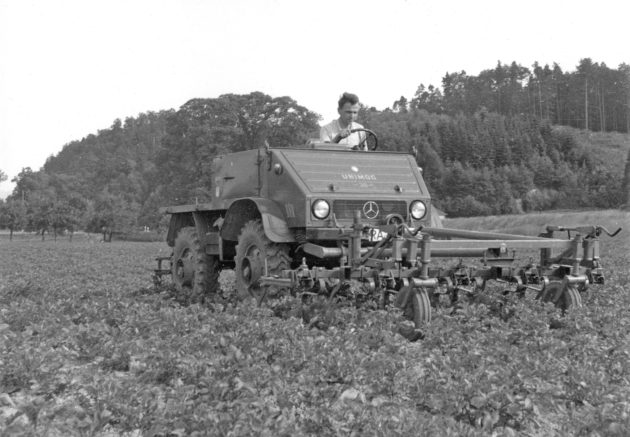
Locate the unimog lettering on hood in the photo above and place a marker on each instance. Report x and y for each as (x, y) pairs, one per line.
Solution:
(358, 177)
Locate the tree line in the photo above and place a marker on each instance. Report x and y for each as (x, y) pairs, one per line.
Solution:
(593, 96)
(116, 180)
(487, 163)
(491, 153)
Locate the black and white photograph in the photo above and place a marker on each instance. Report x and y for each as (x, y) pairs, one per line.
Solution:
(314, 218)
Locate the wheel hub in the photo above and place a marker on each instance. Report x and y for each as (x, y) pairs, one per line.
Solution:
(252, 266)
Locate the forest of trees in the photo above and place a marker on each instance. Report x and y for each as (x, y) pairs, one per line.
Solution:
(593, 97)
(495, 143)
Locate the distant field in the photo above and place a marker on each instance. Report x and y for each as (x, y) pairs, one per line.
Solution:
(535, 223)
(84, 236)
(89, 347)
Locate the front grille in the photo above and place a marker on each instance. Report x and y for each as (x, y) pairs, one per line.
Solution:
(344, 209)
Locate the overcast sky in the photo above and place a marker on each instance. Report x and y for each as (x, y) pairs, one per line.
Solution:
(70, 68)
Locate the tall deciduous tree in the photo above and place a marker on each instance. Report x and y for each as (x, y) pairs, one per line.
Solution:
(12, 215)
(39, 212)
(26, 182)
(205, 128)
(112, 214)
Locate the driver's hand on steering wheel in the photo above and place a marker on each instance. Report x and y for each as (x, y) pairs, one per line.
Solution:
(344, 133)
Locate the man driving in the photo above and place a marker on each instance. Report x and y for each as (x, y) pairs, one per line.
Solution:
(339, 130)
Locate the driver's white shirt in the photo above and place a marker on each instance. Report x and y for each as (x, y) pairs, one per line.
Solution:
(329, 131)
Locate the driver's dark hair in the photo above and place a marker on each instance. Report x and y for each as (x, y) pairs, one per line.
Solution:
(348, 98)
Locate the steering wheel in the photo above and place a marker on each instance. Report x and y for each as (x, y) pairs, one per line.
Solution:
(369, 133)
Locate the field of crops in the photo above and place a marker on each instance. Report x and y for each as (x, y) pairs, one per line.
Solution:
(88, 347)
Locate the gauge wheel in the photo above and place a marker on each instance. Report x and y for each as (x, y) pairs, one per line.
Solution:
(415, 305)
(561, 296)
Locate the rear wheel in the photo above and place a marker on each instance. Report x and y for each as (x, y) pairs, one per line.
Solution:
(192, 269)
(252, 251)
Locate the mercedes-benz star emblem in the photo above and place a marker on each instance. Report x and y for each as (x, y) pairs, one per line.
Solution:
(370, 209)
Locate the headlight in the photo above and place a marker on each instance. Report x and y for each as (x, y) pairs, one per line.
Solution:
(320, 209)
(417, 209)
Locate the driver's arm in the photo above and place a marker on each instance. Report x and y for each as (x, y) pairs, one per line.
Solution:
(325, 135)
(341, 135)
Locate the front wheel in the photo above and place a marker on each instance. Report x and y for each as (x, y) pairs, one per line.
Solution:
(254, 253)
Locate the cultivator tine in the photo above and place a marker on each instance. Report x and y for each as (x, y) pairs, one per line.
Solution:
(531, 287)
(466, 290)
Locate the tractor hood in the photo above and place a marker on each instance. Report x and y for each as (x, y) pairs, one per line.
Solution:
(356, 172)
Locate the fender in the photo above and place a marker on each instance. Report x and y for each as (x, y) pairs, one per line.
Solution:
(201, 220)
(251, 208)
(178, 221)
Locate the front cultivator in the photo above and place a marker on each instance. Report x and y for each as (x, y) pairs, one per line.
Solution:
(398, 269)
(322, 222)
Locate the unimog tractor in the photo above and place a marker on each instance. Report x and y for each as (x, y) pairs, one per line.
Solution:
(314, 218)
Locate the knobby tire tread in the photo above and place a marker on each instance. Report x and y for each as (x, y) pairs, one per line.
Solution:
(277, 254)
(206, 280)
